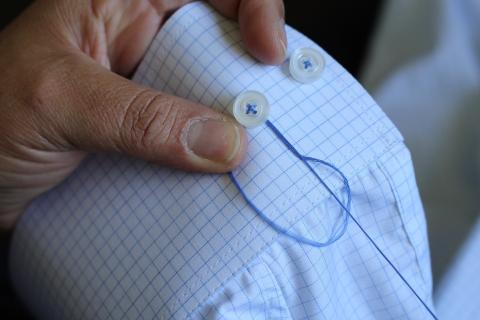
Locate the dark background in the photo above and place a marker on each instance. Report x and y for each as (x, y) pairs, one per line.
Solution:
(341, 27)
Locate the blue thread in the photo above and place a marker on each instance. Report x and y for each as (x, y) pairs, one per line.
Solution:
(307, 64)
(251, 108)
(345, 209)
(336, 234)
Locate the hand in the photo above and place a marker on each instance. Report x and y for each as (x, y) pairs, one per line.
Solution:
(63, 93)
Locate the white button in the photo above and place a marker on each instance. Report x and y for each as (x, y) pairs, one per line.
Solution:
(306, 65)
(250, 108)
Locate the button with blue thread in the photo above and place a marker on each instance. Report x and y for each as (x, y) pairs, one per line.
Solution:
(250, 109)
(306, 65)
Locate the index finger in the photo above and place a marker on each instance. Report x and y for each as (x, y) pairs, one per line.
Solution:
(262, 24)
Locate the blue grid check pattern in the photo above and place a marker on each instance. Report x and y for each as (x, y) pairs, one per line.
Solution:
(124, 239)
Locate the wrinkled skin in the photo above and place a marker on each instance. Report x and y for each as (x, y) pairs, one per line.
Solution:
(64, 93)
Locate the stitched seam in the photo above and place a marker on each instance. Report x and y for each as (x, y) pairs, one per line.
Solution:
(275, 239)
(401, 213)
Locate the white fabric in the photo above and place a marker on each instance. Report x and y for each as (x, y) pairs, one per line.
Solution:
(424, 70)
(126, 239)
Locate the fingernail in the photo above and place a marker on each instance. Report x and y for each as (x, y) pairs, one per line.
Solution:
(215, 140)
(282, 37)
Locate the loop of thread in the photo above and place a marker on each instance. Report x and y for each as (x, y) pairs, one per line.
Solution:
(306, 160)
(336, 234)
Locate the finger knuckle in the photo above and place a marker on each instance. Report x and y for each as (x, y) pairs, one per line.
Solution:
(150, 121)
(97, 7)
(45, 86)
(254, 6)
